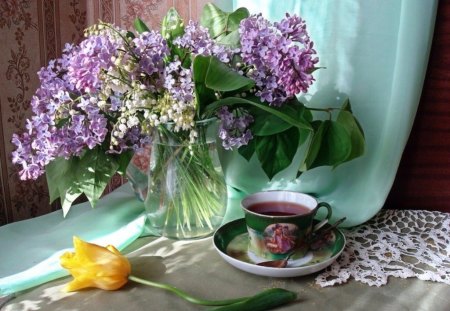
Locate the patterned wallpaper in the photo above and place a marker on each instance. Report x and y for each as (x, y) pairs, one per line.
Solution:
(34, 32)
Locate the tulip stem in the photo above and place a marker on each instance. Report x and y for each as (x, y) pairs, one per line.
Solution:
(185, 295)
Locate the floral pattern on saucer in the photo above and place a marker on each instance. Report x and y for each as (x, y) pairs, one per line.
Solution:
(232, 240)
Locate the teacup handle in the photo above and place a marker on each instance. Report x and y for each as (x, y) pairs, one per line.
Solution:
(325, 221)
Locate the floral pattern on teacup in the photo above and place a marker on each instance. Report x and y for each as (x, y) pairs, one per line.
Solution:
(280, 238)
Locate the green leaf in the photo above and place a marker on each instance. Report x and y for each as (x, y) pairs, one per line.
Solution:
(316, 143)
(230, 101)
(60, 174)
(232, 40)
(266, 124)
(123, 160)
(357, 142)
(248, 150)
(235, 18)
(62, 182)
(220, 23)
(277, 151)
(211, 75)
(94, 172)
(203, 94)
(221, 77)
(266, 300)
(67, 199)
(130, 35)
(332, 146)
(172, 25)
(140, 26)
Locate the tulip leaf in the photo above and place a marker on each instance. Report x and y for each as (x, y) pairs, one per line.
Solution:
(276, 152)
(95, 171)
(266, 300)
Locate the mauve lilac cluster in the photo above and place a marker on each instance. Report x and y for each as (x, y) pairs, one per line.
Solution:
(280, 57)
(62, 126)
(197, 40)
(233, 128)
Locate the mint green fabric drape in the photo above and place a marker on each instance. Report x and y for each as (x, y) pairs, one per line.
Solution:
(30, 249)
(375, 52)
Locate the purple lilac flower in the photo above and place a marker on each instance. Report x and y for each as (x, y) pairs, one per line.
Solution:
(197, 40)
(151, 49)
(233, 129)
(282, 55)
(179, 82)
(94, 54)
(83, 124)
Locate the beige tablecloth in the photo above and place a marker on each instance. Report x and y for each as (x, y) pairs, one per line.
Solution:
(196, 267)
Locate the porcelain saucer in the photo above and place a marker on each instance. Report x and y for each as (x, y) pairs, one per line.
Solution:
(231, 242)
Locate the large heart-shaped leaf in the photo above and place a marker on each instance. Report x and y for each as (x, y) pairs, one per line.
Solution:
(277, 151)
(220, 23)
(248, 150)
(331, 145)
(95, 171)
(172, 25)
(354, 130)
(212, 75)
(123, 160)
(221, 77)
(62, 181)
(266, 123)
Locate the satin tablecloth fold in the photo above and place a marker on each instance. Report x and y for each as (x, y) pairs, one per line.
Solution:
(30, 249)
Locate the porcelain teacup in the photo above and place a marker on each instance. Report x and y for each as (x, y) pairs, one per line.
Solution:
(279, 221)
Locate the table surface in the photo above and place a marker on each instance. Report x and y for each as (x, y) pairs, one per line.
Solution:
(197, 268)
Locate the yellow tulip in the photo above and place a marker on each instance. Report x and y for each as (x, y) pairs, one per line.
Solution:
(95, 266)
(104, 267)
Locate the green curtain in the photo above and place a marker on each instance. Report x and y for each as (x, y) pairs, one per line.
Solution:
(375, 52)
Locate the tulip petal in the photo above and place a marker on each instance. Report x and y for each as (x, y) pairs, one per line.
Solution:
(77, 284)
(92, 265)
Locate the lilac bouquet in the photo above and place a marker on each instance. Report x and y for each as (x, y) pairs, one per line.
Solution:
(104, 98)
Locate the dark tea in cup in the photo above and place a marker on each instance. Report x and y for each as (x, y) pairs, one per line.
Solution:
(279, 208)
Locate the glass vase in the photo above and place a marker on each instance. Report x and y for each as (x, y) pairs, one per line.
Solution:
(182, 184)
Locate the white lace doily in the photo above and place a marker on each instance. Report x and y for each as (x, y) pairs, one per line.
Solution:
(398, 243)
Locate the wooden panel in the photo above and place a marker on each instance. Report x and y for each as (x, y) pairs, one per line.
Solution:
(423, 178)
